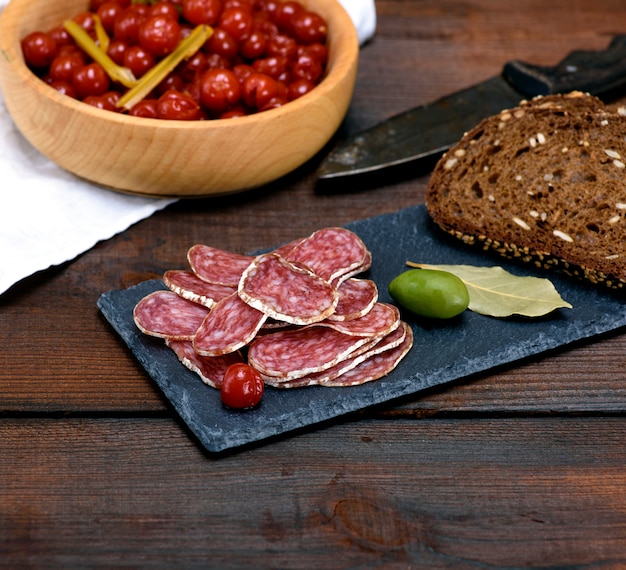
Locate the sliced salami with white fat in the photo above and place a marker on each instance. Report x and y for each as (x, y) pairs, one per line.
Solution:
(189, 286)
(211, 369)
(387, 342)
(356, 298)
(295, 353)
(284, 249)
(374, 367)
(365, 265)
(286, 291)
(381, 320)
(331, 253)
(230, 325)
(298, 310)
(217, 266)
(165, 314)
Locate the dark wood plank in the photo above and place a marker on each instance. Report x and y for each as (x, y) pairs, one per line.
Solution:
(430, 48)
(521, 467)
(430, 494)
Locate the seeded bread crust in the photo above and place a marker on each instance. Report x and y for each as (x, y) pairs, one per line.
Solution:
(544, 182)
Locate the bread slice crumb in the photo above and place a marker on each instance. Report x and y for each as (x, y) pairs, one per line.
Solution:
(544, 182)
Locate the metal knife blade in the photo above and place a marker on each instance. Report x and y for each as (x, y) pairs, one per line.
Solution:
(430, 129)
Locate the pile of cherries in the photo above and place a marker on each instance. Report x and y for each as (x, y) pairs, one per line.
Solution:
(261, 55)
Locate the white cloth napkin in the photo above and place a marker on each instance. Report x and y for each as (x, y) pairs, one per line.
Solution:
(363, 14)
(48, 216)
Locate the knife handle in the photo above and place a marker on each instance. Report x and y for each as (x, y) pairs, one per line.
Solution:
(592, 72)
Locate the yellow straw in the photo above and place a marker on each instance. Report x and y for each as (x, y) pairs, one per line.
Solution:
(101, 34)
(185, 49)
(117, 73)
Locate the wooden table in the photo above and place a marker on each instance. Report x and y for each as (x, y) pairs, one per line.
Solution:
(521, 467)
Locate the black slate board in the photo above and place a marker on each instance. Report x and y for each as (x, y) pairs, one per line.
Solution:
(441, 353)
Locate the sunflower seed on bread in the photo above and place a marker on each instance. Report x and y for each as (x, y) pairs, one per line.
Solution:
(544, 182)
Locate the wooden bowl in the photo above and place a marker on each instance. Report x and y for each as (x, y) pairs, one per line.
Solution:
(172, 158)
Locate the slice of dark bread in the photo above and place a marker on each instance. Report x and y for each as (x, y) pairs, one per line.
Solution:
(544, 182)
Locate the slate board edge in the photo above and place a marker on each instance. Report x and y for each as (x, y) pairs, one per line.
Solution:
(218, 441)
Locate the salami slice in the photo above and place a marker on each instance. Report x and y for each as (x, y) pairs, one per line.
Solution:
(165, 314)
(381, 320)
(356, 298)
(211, 369)
(331, 253)
(375, 366)
(217, 266)
(298, 311)
(230, 325)
(189, 286)
(387, 342)
(286, 291)
(365, 265)
(295, 353)
(284, 249)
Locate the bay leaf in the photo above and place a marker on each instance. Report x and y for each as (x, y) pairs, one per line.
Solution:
(495, 292)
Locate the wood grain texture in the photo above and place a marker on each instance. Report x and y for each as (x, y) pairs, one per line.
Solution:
(521, 467)
(431, 494)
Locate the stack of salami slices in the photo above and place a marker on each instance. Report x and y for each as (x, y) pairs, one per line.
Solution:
(297, 314)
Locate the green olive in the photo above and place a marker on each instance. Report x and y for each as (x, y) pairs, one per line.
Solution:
(430, 293)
